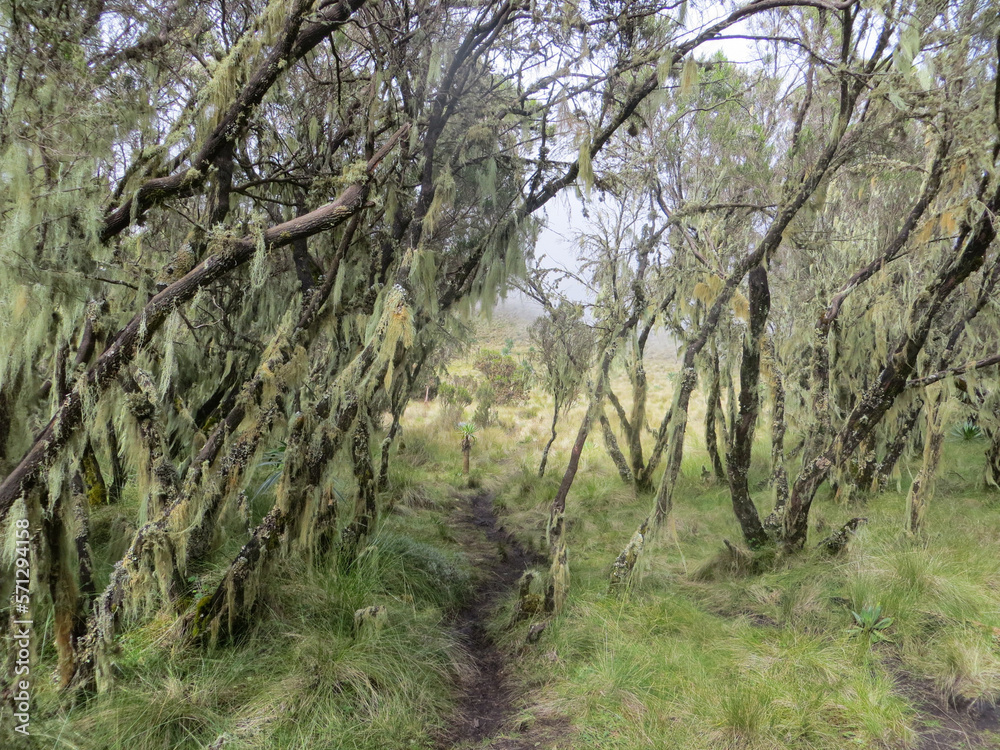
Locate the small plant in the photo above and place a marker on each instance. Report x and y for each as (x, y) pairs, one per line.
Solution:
(454, 397)
(967, 431)
(509, 380)
(468, 433)
(870, 623)
(274, 461)
(486, 399)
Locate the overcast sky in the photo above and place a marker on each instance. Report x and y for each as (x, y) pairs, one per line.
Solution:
(558, 243)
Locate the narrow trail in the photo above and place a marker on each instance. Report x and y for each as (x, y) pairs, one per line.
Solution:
(486, 702)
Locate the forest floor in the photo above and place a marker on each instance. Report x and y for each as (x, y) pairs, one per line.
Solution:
(698, 654)
(486, 708)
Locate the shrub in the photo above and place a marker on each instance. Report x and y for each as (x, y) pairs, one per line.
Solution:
(508, 379)
(454, 397)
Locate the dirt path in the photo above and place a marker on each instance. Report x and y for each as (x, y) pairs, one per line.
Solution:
(948, 726)
(486, 704)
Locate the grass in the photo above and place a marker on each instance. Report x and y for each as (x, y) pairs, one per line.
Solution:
(304, 676)
(697, 655)
(700, 653)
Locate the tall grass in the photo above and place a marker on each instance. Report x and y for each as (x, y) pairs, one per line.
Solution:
(698, 654)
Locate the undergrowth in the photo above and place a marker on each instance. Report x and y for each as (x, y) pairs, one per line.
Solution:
(304, 676)
(705, 650)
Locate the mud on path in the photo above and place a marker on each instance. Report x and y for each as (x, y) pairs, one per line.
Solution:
(486, 703)
(951, 724)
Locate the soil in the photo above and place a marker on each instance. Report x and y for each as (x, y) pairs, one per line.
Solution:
(487, 697)
(485, 716)
(949, 723)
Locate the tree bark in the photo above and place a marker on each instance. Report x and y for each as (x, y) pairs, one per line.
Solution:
(993, 451)
(711, 439)
(365, 507)
(611, 445)
(779, 475)
(157, 473)
(922, 490)
(548, 445)
(894, 448)
(118, 476)
(741, 442)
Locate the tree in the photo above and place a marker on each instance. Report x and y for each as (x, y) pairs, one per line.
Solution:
(563, 344)
(812, 201)
(231, 227)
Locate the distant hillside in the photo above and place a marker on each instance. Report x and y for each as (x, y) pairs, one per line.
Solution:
(512, 318)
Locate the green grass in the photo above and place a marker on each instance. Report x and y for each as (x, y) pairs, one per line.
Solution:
(699, 656)
(303, 676)
(699, 653)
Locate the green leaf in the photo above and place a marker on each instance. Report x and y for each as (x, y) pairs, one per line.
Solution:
(897, 101)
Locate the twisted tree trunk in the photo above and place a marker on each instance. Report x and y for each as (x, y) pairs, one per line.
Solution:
(741, 442)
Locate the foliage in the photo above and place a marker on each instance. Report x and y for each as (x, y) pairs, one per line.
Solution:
(968, 431)
(870, 624)
(508, 380)
(468, 432)
(273, 462)
(563, 345)
(237, 226)
(505, 381)
(453, 396)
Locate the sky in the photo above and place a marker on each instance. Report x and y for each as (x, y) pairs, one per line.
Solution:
(558, 243)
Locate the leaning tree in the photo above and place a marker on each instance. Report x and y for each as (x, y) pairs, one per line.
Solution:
(231, 226)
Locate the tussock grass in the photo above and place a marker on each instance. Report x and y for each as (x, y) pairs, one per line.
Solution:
(303, 675)
(708, 649)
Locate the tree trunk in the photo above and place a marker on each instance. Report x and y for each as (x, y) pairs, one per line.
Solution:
(637, 419)
(554, 527)
(8, 400)
(365, 508)
(611, 445)
(394, 429)
(644, 480)
(993, 460)
(894, 448)
(711, 439)
(742, 431)
(922, 490)
(779, 475)
(548, 445)
(157, 476)
(865, 466)
(993, 451)
(118, 476)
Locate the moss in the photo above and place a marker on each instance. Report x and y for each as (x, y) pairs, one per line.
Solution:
(197, 621)
(97, 492)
